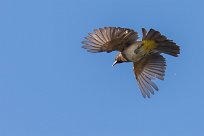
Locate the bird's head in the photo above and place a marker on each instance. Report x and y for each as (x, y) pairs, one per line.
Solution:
(119, 59)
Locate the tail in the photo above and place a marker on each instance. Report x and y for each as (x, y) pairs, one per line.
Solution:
(164, 45)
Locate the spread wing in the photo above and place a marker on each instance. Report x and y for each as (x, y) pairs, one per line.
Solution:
(149, 68)
(109, 39)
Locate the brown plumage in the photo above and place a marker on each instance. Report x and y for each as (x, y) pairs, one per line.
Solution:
(109, 39)
(148, 68)
(146, 55)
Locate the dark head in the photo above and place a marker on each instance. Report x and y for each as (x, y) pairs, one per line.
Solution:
(119, 59)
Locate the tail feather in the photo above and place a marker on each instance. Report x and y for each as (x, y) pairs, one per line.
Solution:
(164, 45)
(169, 48)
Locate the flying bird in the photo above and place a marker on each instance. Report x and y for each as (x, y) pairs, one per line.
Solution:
(145, 54)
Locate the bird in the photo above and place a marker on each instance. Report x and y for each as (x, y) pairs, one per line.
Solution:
(145, 54)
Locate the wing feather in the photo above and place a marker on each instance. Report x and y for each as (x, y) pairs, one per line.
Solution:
(147, 69)
(110, 39)
(148, 87)
(145, 91)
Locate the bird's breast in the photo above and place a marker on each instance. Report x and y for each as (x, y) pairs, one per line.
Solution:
(131, 55)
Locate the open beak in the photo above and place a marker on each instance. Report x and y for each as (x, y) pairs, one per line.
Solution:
(115, 62)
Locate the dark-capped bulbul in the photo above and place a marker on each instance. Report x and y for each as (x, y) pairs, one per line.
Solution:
(148, 63)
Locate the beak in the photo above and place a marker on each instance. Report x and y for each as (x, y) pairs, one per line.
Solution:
(115, 62)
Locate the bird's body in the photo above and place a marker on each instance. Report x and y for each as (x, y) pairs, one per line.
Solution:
(147, 62)
(136, 51)
(131, 54)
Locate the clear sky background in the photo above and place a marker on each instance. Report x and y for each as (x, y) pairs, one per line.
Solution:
(50, 86)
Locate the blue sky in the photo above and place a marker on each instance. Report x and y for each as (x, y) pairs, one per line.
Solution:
(50, 86)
